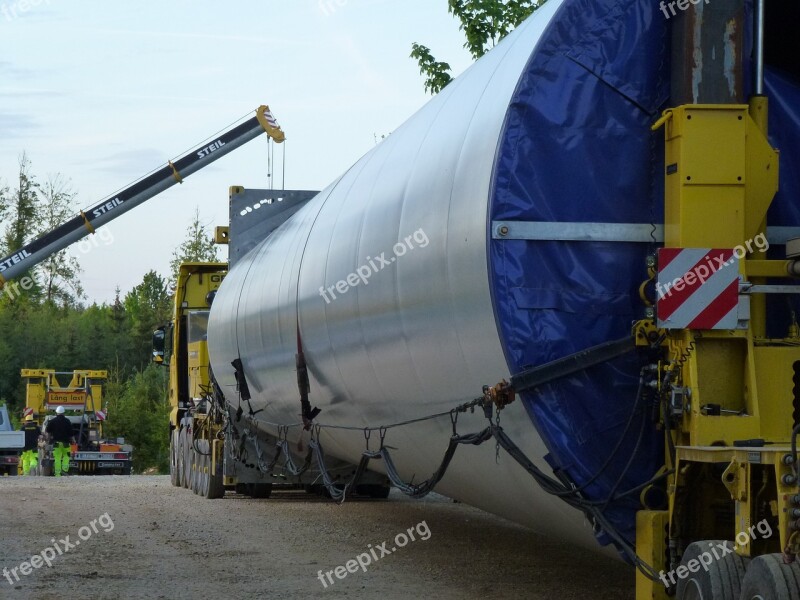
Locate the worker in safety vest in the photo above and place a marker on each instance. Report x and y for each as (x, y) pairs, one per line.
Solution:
(30, 454)
(60, 432)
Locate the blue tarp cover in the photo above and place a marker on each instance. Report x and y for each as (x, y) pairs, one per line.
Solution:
(577, 147)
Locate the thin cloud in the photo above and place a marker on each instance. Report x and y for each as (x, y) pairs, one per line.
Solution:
(30, 93)
(9, 70)
(131, 162)
(134, 163)
(265, 41)
(17, 125)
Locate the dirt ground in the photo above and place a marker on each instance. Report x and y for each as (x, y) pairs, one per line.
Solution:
(162, 542)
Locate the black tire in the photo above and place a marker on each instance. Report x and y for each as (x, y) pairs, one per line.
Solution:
(717, 578)
(197, 466)
(767, 578)
(182, 455)
(174, 470)
(259, 490)
(194, 475)
(47, 470)
(216, 482)
(187, 460)
(13, 471)
(206, 469)
(203, 466)
(211, 483)
(374, 491)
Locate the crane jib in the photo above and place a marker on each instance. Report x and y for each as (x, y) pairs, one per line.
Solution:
(84, 223)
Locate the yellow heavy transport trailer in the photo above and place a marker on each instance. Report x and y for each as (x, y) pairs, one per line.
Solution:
(82, 399)
(730, 529)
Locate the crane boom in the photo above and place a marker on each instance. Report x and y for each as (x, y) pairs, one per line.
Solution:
(112, 207)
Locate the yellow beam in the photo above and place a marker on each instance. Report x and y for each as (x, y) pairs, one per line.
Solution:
(651, 547)
(767, 268)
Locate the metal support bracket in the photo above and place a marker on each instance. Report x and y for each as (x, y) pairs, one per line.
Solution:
(569, 365)
(605, 232)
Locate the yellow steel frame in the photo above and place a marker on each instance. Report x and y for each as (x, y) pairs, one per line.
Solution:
(38, 382)
(195, 281)
(721, 176)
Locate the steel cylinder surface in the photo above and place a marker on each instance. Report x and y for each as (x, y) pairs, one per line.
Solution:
(408, 299)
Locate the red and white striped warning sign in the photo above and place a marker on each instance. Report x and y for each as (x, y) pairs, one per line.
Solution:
(100, 414)
(28, 411)
(697, 288)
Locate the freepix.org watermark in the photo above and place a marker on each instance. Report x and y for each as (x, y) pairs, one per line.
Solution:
(374, 265)
(715, 552)
(13, 10)
(703, 271)
(681, 4)
(13, 289)
(59, 548)
(365, 559)
(328, 7)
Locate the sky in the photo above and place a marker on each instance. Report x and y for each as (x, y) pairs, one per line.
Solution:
(102, 93)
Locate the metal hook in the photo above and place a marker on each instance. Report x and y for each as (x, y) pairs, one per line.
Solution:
(382, 432)
(367, 435)
(454, 421)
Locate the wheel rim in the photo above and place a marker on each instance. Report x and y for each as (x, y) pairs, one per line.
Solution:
(693, 592)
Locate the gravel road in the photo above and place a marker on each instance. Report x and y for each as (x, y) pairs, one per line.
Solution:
(162, 542)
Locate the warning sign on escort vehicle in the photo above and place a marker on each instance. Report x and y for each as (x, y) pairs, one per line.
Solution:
(61, 398)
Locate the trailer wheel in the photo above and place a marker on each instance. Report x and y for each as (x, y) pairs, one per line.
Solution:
(45, 463)
(217, 488)
(194, 473)
(768, 578)
(174, 463)
(187, 459)
(716, 576)
(195, 464)
(181, 458)
(213, 484)
(202, 468)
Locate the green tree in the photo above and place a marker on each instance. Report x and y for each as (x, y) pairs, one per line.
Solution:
(60, 278)
(139, 412)
(484, 23)
(198, 246)
(21, 209)
(5, 204)
(148, 306)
